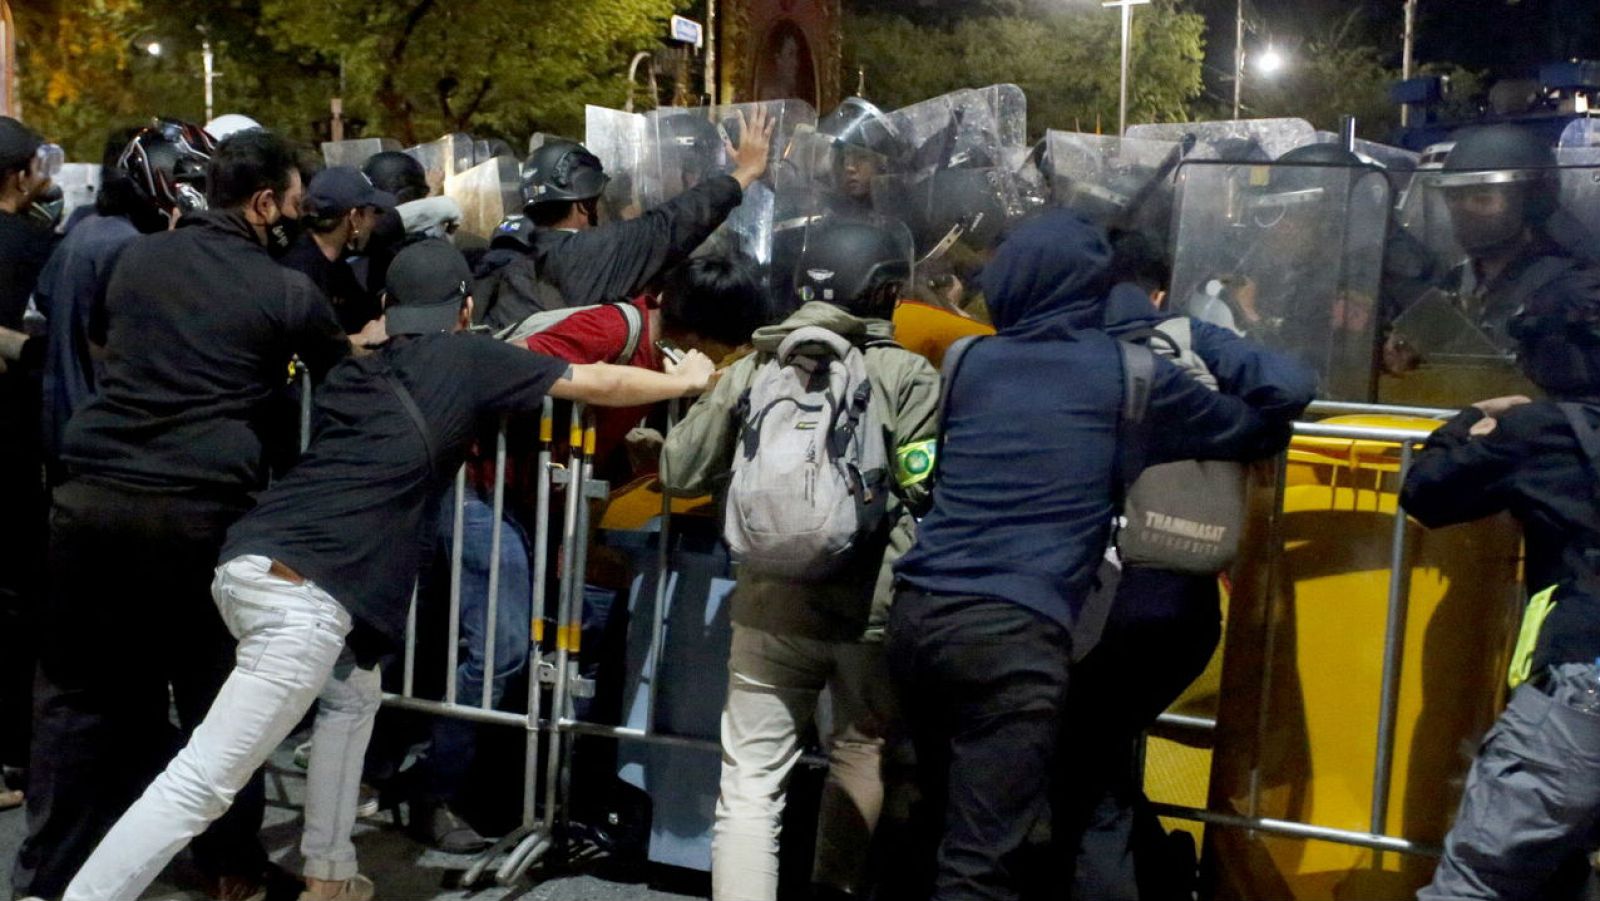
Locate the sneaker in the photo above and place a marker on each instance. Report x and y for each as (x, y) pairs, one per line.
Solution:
(368, 803)
(356, 888)
(302, 755)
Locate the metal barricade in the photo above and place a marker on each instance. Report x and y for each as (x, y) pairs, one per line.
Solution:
(1398, 592)
(555, 665)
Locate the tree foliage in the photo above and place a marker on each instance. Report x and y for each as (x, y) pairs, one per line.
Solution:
(1066, 62)
(411, 70)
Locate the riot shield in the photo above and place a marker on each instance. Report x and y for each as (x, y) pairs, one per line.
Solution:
(79, 184)
(487, 193)
(684, 146)
(1232, 140)
(357, 152)
(959, 130)
(1289, 255)
(1008, 105)
(1114, 182)
(618, 139)
(1459, 330)
(447, 156)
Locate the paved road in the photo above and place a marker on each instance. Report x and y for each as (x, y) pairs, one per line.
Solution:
(402, 869)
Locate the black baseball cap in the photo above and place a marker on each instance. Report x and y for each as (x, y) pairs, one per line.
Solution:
(18, 144)
(426, 283)
(339, 189)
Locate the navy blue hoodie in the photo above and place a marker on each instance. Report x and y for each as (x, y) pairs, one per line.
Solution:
(1025, 497)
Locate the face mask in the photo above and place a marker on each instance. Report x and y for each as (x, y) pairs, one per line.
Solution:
(282, 235)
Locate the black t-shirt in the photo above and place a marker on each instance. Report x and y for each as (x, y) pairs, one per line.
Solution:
(24, 248)
(200, 325)
(337, 281)
(350, 515)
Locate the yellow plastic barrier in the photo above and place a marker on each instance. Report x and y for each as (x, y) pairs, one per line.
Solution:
(1302, 677)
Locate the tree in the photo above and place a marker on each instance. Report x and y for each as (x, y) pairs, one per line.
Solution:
(1066, 62)
(422, 68)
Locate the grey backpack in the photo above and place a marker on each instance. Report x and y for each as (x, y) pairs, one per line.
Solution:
(810, 470)
(1184, 516)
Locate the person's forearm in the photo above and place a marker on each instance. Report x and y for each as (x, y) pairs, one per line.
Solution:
(11, 343)
(606, 385)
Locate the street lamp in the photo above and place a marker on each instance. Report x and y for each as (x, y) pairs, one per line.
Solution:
(1270, 62)
(1126, 6)
(153, 48)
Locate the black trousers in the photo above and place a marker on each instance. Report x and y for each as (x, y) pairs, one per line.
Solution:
(22, 549)
(129, 613)
(984, 683)
(1158, 639)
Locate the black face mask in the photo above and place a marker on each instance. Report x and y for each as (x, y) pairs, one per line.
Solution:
(283, 236)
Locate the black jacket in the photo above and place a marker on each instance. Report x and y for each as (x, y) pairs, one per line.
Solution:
(200, 326)
(1028, 462)
(612, 262)
(1532, 466)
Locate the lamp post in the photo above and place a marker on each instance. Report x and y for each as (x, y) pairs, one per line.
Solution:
(1126, 7)
(1405, 56)
(1238, 55)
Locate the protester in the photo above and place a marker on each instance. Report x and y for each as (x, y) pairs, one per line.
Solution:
(985, 618)
(1162, 630)
(26, 166)
(200, 326)
(340, 212)
(708, 304)
(146, 182)
(314, 584)
(1525, 826)
(796, 635)
(577, 261)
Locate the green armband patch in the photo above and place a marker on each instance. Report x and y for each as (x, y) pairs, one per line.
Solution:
(915, 462)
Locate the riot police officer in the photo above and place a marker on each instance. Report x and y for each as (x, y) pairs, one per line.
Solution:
(577, 261)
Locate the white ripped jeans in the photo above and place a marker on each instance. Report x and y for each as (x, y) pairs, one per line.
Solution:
(291, 640)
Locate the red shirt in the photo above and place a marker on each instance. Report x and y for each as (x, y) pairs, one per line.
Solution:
(599, 335)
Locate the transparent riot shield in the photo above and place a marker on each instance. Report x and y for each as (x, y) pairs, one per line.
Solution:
(356, 152)
(958, 130)
(684, 146)
(1114, 182)
(447, 156)
(1498, 241)
(487, 193)
(1292, 257)
(618, 139)
(1008, 105)
(1233, 140)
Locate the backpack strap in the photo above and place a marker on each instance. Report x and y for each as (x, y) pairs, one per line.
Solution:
(409, 403)
(1138, 373)
(948, 367)
(635, 322)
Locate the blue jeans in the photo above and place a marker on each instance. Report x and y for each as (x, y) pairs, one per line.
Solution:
(455, 741)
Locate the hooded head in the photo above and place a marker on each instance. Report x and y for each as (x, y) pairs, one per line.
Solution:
(1049, 278)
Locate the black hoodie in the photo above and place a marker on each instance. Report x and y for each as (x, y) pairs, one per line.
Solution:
(1025, 497)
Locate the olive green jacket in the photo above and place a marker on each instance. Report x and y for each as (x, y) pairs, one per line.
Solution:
(698, 458)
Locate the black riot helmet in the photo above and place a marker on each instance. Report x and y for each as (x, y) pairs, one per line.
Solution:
(1498, 181)
(400, 174)
(956, 206)
(165, 163)
(855, 264)
(692, 148)
(858, 123)
(562, 170)
(862, 144)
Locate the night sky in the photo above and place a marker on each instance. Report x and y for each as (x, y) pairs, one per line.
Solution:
(1505, 39)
